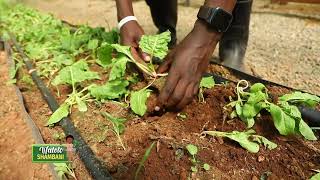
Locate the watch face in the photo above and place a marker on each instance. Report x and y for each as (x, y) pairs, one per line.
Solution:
(220, 19)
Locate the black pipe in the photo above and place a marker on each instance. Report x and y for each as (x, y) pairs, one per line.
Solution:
(94, 166)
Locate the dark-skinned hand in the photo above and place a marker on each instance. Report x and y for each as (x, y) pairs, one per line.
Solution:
(186, 64)
(130, 35)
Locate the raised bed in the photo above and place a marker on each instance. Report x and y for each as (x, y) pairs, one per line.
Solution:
(171, 132)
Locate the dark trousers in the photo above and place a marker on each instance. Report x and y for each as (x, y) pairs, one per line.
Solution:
(164, 14)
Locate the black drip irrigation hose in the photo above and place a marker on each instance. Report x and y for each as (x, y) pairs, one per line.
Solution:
(94, 166)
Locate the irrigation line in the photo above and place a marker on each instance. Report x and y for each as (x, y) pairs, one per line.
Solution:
(94, 166)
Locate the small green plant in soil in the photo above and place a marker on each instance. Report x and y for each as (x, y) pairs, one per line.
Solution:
(118, 126)
(316, 176)
(58, 136)
(246, 139)
(143, 160)
(182, 116)
(193, 151)
(285, 114)
(206, 82)
(64, 170)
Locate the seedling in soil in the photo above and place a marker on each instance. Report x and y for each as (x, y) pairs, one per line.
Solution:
(193, 151)
(316, 176)
(72, 75)
(118, 126)
(182, 116)
(64, 170)
(144, 159)
(246, 139)
(58, 137)
(286, 117)
(206, 82)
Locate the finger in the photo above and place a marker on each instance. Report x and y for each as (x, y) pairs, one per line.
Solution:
(188, 96)
(168, 88)
(164, 67)
(177, 94)
(146, 57)
(135, 54)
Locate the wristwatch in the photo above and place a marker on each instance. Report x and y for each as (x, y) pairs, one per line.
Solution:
(216, 18)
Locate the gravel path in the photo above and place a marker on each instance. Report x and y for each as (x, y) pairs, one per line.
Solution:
(281, 49)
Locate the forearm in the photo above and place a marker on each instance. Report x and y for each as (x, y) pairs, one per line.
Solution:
(201, 26)
(124, 8)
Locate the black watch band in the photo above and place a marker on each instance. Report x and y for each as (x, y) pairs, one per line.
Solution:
(216, 18)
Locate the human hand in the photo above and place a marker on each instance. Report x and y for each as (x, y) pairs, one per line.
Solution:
(186, 64)
(130, 35)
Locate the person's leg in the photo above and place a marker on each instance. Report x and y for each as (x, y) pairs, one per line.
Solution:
(164, 14)
(233, 44)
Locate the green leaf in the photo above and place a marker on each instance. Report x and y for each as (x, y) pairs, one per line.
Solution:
(194, 169)
(155, 45)
(111, 90)
(283, 122)
(138, 101)
(306, 131)
(192, 149)
(60, 113)
(257, 87)
(82, 107)
(119, 68)
(316, 176)
(123, 49)
(143, 160)
(207, 82)
(262, 140)
(206, 166)
(93, 44)
(118, 123)
(299, 97)
(79, 71)
(104, 55)
(243, 138)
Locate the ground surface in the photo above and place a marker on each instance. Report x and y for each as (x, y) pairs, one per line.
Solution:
(15, 155)
(278, 51)
(282, 48)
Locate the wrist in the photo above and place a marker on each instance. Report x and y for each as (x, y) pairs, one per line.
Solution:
(205, 34)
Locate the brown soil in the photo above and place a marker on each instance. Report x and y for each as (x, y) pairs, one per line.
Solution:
(15, 136)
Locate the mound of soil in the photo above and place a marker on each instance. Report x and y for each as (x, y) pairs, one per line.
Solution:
(294, 157)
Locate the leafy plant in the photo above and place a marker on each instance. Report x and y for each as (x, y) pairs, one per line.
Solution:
(63, 169)
(118, 126)
(246, 139)
(76, 73)
(287, 118)
(206, 82)
(193, 151)
(143, 160)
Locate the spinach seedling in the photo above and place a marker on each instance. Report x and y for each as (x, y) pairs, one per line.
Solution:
(206, 82)
(63, 169)
(118, 126)
(193, 151)
(246, 139)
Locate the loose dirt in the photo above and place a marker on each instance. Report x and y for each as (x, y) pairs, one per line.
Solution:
(293, 157)
(15, 136)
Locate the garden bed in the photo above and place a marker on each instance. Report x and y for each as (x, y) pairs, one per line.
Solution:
(170, 132)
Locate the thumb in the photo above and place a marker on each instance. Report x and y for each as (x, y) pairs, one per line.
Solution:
(164, 67)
